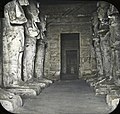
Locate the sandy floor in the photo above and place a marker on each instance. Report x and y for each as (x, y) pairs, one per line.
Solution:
(66, 97)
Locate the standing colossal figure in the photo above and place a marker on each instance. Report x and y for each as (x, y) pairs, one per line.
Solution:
(40, 52)
(106, 52)
(31, 32)
(13, 42)
(96, 44)
(98, 56)
(114, 20)
(104, 36)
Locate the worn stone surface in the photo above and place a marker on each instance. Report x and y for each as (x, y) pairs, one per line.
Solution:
(105, 49)
(35, 82)
(53, 66)
(23, 2)
(98, 56)
(43, 80)
(23, 91)
(39, 60)
(112, 101)
(114, 30)
(59, 99)
(13, 42)
(13, 47)
(7, 105)
(99, 41)
(106, 25)
(41, 49)
(1, 46)
(31, 32)
(9, 100)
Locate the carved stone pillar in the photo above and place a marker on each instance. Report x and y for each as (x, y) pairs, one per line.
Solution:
(104, 36)
(40, 52)
(31, 32)
(96, 43)
(13, 46)
(29, 52)
(13, 42)
(98, 56)
(106, 53)
(114, 20)
(39, 62)
(1, 51)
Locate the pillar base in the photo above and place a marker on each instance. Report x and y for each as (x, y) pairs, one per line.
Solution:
(42, 85)
(112, 101)
(9, 100)
(43, 80)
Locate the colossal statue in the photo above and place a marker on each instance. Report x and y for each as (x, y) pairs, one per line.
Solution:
(98, 56)
(13, 42)
(31, 33)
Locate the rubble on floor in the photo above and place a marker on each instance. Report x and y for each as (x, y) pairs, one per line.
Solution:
(101, 87)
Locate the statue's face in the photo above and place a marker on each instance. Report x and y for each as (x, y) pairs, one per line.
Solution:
(35, 13)
(23, 2)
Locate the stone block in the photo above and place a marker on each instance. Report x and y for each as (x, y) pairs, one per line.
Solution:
(9, 100)
(85, 63)
(54, 44)
(23, 91)
(45, 81)
(93, 62)
(101, 90)
(53, 59)
(53, 52)
(7, 105)
(87, 72)
(112, 101)
(85, 41)
(91, 79)
(54, 66)
(36, 83)
(36, 86)
(85, 52)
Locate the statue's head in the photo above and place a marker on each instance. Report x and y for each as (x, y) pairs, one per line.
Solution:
(14, 13)
(33, 11)
(43, 22)
(23, 2)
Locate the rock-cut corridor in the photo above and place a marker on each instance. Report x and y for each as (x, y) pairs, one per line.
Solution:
(42, 44)
(66, 97)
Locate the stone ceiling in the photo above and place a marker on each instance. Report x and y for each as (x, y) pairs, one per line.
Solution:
(81, 7)
(76, 9)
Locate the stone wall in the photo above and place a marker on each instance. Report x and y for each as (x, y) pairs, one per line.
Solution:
(55, 27)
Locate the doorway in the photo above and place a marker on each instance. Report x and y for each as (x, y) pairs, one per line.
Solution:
(69, 56)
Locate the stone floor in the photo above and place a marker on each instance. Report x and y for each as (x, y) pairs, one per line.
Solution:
(66, 97)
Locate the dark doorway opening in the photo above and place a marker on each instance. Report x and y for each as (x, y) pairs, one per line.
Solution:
(69, 56)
